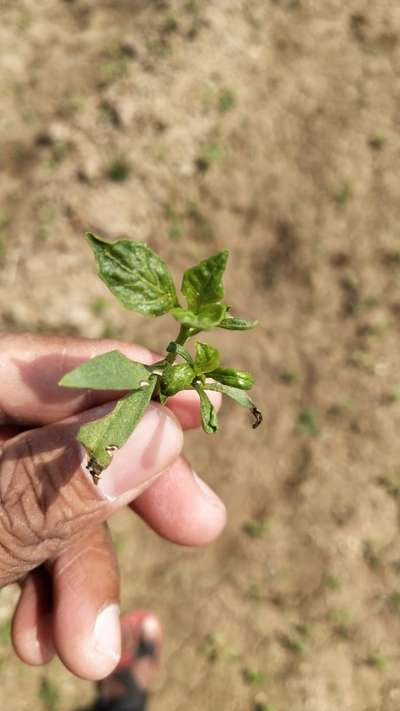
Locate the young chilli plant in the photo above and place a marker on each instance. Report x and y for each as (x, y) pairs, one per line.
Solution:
(141, 282)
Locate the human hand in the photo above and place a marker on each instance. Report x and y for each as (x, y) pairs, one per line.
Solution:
(53, 539)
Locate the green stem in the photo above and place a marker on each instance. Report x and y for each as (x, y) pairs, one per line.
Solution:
(183, 335)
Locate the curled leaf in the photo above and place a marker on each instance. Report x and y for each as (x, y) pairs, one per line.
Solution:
(207, 358)
(240, 397)
(101, 437)
(235, 378)
(206, 318)
(202, 284)
(232, 323)
(135, 274)
(209, 419)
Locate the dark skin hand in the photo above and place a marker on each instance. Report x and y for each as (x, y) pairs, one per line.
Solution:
(54, 539)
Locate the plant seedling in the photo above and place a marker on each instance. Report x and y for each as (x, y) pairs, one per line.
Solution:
(254, 676)
(140, 280)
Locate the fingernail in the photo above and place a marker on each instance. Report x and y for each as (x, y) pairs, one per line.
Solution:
(107, 634)
(153, 446)
(207, 492)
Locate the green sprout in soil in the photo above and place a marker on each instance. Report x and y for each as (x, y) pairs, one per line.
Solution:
(393, 397)
(254, 676)
(372, 554)
(256, 528)
(215, 649)
(376, 660)
(48, 694)
(118, 170)
(391, 482)
(342, 623)
(393, 601)
(226, 101)
(296, 639)
(306, 424)
(330, 582)
(289, 376)
(141, 282)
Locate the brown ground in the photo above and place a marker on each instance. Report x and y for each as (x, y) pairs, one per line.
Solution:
(272, 127)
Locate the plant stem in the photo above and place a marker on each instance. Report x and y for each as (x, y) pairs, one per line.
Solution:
(183, 335)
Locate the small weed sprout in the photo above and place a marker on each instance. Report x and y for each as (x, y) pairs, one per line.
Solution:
(306, 424)
(254, 677)
(226, 101)
(118, 170)
(48, 694)
(256, 528)
(376, 660)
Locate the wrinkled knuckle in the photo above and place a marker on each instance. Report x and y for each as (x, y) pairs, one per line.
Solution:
(38, 508)
(24, 524)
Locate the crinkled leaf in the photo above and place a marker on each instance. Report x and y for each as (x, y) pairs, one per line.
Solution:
(240, 397)
(202, 284)
(110, 371)
(114, 429)
(207, 317)
(209, 418)
(233, 377)
(177, 349)
(207, 358)
(232, 323)
(135, 274)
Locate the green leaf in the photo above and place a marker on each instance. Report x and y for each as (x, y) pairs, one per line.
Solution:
(135, 274)
(111, 371)
(202, 284)
(177, 349)
(235, 378)
(208, 316)
(114, 429)
(240, 397)
(209, 418)
(207, 358)
(237, 324)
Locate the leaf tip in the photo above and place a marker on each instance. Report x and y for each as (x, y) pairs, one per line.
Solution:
(94, 241)
(224, 255)
(65, 381)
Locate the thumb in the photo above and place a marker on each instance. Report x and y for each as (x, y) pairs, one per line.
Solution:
(47, 496)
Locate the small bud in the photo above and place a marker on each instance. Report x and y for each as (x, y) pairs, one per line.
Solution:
(234, 378)
(176, 378)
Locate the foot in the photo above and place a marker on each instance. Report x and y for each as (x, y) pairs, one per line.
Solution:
(126, 689)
